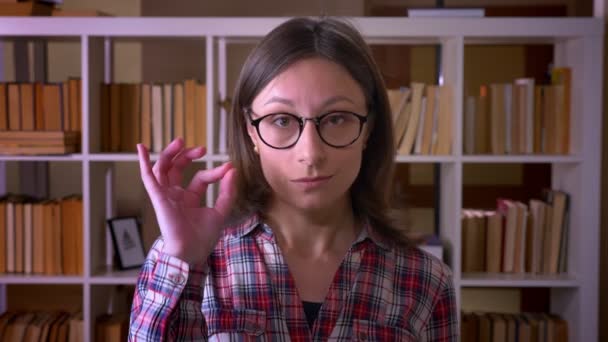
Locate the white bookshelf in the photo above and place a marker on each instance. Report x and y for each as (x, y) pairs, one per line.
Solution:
(578, 43)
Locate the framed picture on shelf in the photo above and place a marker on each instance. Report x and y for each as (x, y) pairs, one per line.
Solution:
(127, 241)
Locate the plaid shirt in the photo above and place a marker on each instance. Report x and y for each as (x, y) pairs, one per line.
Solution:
(379, 293)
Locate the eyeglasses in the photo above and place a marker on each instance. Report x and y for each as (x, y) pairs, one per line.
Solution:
(283, 130)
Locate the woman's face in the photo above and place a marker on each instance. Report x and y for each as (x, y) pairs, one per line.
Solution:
(310, 175)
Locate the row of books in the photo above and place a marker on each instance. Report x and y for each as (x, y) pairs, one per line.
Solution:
(41, 236)
(40, 118)
(520, 117)
(521, 327)
(26, 326)
(422, 118)
(112, 327)
(153, 114)
(41, 106)
(518, 237)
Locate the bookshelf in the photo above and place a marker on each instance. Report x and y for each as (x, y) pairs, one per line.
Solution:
(577, 43)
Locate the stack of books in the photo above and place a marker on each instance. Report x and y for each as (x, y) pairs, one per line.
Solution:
(40, 118)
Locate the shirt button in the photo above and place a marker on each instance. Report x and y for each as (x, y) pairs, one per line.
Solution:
(362, 336)
(177, 278)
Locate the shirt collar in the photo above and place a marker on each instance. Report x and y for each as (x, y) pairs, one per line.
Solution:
(255, 223)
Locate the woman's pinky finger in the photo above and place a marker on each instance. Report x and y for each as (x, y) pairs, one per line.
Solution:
(145, 169)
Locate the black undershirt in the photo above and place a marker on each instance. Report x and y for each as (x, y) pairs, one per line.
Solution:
(311, 309)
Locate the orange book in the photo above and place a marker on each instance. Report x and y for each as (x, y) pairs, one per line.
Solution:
(146, 114)
(135, 117)
(190, 112)
(3, 107)
(53, 108)
(178, 111)
(432, 92)
(65, 104)
(75, 104)
(444, 120)
(130, 117)
(39, 107)
(200, 132)
(563, 76)
(27, 106)
(49, 236)
(19, 232)
(79, 234)
(38, 238)
(28, 216)
(67, 236)
(57, 242)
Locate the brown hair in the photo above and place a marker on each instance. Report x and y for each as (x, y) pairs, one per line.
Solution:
(339, 42)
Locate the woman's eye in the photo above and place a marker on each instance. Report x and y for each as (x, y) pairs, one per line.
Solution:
(336, 119)
(282, 121)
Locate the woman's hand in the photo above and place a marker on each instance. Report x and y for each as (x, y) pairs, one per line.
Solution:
(190, 231)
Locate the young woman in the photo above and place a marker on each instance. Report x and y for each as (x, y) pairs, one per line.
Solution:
(300, 245)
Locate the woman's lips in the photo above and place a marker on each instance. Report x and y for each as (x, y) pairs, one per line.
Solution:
(309, 183)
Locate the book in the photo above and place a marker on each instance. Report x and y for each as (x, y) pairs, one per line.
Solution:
(405, 148)
(189, 112)
(200, 119)
(157, 118)
(52, 100)
(146, 115)
(27, 99)
(24, 9)
(178, 111)
(430, 119)
(14, 106)
(3, 107)
(444, 124)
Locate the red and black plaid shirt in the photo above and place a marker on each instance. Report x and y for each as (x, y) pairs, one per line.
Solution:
(245, 292)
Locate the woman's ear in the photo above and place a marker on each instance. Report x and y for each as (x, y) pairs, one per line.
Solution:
(253, 136)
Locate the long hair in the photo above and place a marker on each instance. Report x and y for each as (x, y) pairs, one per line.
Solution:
(337, 41)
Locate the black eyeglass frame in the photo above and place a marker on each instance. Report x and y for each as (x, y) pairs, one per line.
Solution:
(301, 122)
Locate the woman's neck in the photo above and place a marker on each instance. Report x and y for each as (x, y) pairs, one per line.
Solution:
(313, 233)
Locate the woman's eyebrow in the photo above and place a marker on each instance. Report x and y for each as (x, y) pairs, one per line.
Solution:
(280, 100)
(335, 99)
(328, 102)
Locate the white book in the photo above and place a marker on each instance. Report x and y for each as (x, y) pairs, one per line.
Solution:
(157, 118)
(418, 143)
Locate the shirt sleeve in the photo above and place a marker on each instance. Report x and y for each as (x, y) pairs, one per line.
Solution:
(167, 300)
(443, 323)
